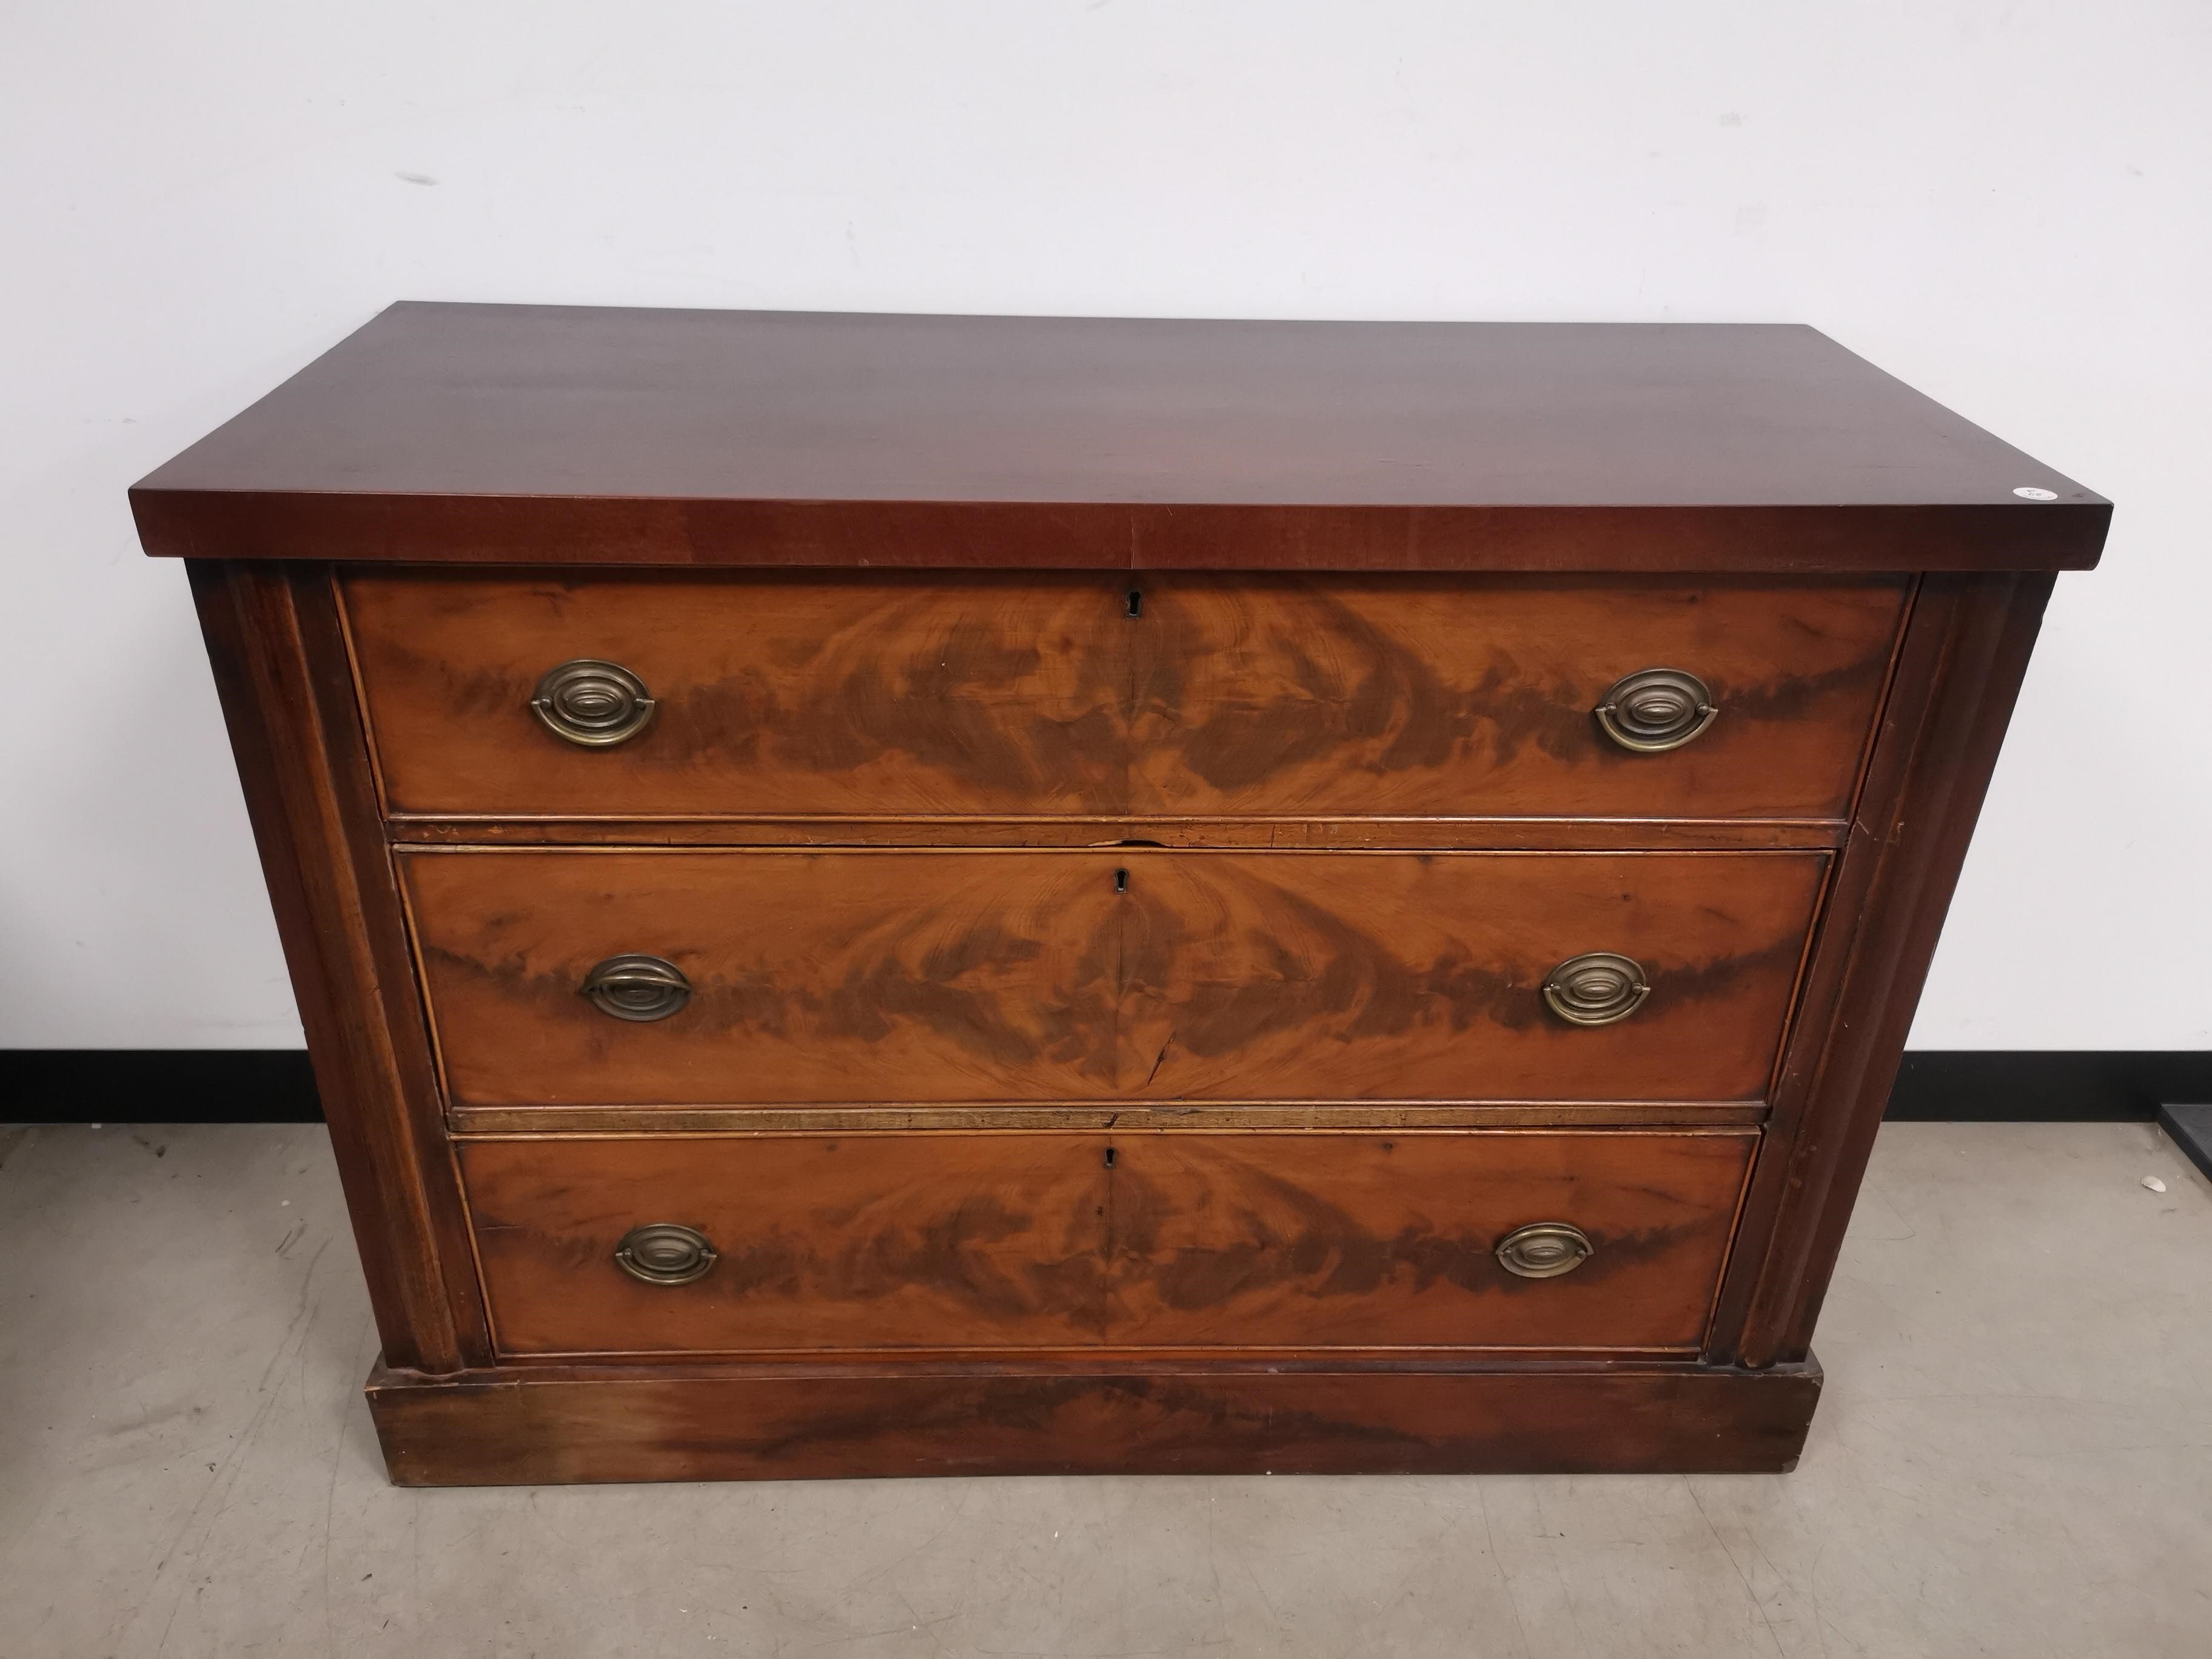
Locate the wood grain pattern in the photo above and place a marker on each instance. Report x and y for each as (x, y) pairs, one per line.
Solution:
(1040, 695)
(1377, 976)
(1175, 1239)
(487, 433)
(817, 976)
(1148, 1415)
(824, 695)
(1134, 974)
(1414, 695)
(1320, 1241)
(939, 1241)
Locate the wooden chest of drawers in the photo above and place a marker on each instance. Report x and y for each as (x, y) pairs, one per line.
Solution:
(901, 895)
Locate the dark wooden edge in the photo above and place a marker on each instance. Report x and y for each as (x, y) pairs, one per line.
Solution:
(528, 1425)
(382, 529)
(1965, 653)
(277, 1086)
(279, 669)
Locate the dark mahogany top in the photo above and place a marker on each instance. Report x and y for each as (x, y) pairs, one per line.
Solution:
(545, 434)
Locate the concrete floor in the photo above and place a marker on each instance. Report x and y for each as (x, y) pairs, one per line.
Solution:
(2013, 1456)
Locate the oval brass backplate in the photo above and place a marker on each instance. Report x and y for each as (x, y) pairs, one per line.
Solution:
(664, 1253)
(591, 703)
(1596, 988)
(1656, 709)
(1544, 1249)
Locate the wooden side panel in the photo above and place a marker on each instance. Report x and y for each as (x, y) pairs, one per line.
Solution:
(279, 661)
(1176, 1239)
(1413, 695)
(880, 694)
(1959, 675)
(785, 1423)
(1255, 976)
(1132, 974)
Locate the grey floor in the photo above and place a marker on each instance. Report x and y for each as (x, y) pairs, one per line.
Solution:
(2013, 1456)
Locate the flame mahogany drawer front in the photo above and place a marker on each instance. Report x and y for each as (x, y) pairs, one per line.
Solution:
(1174, 1238)
(1163, 695)
(1127, 973)
(894, 895)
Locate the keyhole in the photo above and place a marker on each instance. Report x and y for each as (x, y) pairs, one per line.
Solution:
(1120, 881)
(1109, 1157)
(1136, 603)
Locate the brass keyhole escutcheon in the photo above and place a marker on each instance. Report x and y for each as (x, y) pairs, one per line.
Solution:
(591, 703)
(1544, 1249)
(1656, 709)
(664, 1253)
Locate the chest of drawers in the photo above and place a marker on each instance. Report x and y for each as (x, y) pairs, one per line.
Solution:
(879, 895)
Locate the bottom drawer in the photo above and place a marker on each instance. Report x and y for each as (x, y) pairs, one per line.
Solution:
(937, 1240)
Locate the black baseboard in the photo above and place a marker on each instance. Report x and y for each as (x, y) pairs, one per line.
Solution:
(2057, 1086)
(274, 1085)
(157, 1086)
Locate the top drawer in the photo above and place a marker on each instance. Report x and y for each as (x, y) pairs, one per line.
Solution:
(1122, 695)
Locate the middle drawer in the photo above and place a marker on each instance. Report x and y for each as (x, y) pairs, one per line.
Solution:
(742, 977)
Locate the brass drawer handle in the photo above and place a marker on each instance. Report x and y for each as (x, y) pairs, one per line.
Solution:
(1544, 1249)
(1656, 709)
(593, 703)
(663, 1253)
(1596, 988)
(636, 988)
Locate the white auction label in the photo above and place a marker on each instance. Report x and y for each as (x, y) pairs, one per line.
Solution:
(2030, 493)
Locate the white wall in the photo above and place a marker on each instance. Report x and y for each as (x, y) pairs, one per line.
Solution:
(2006, 204)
